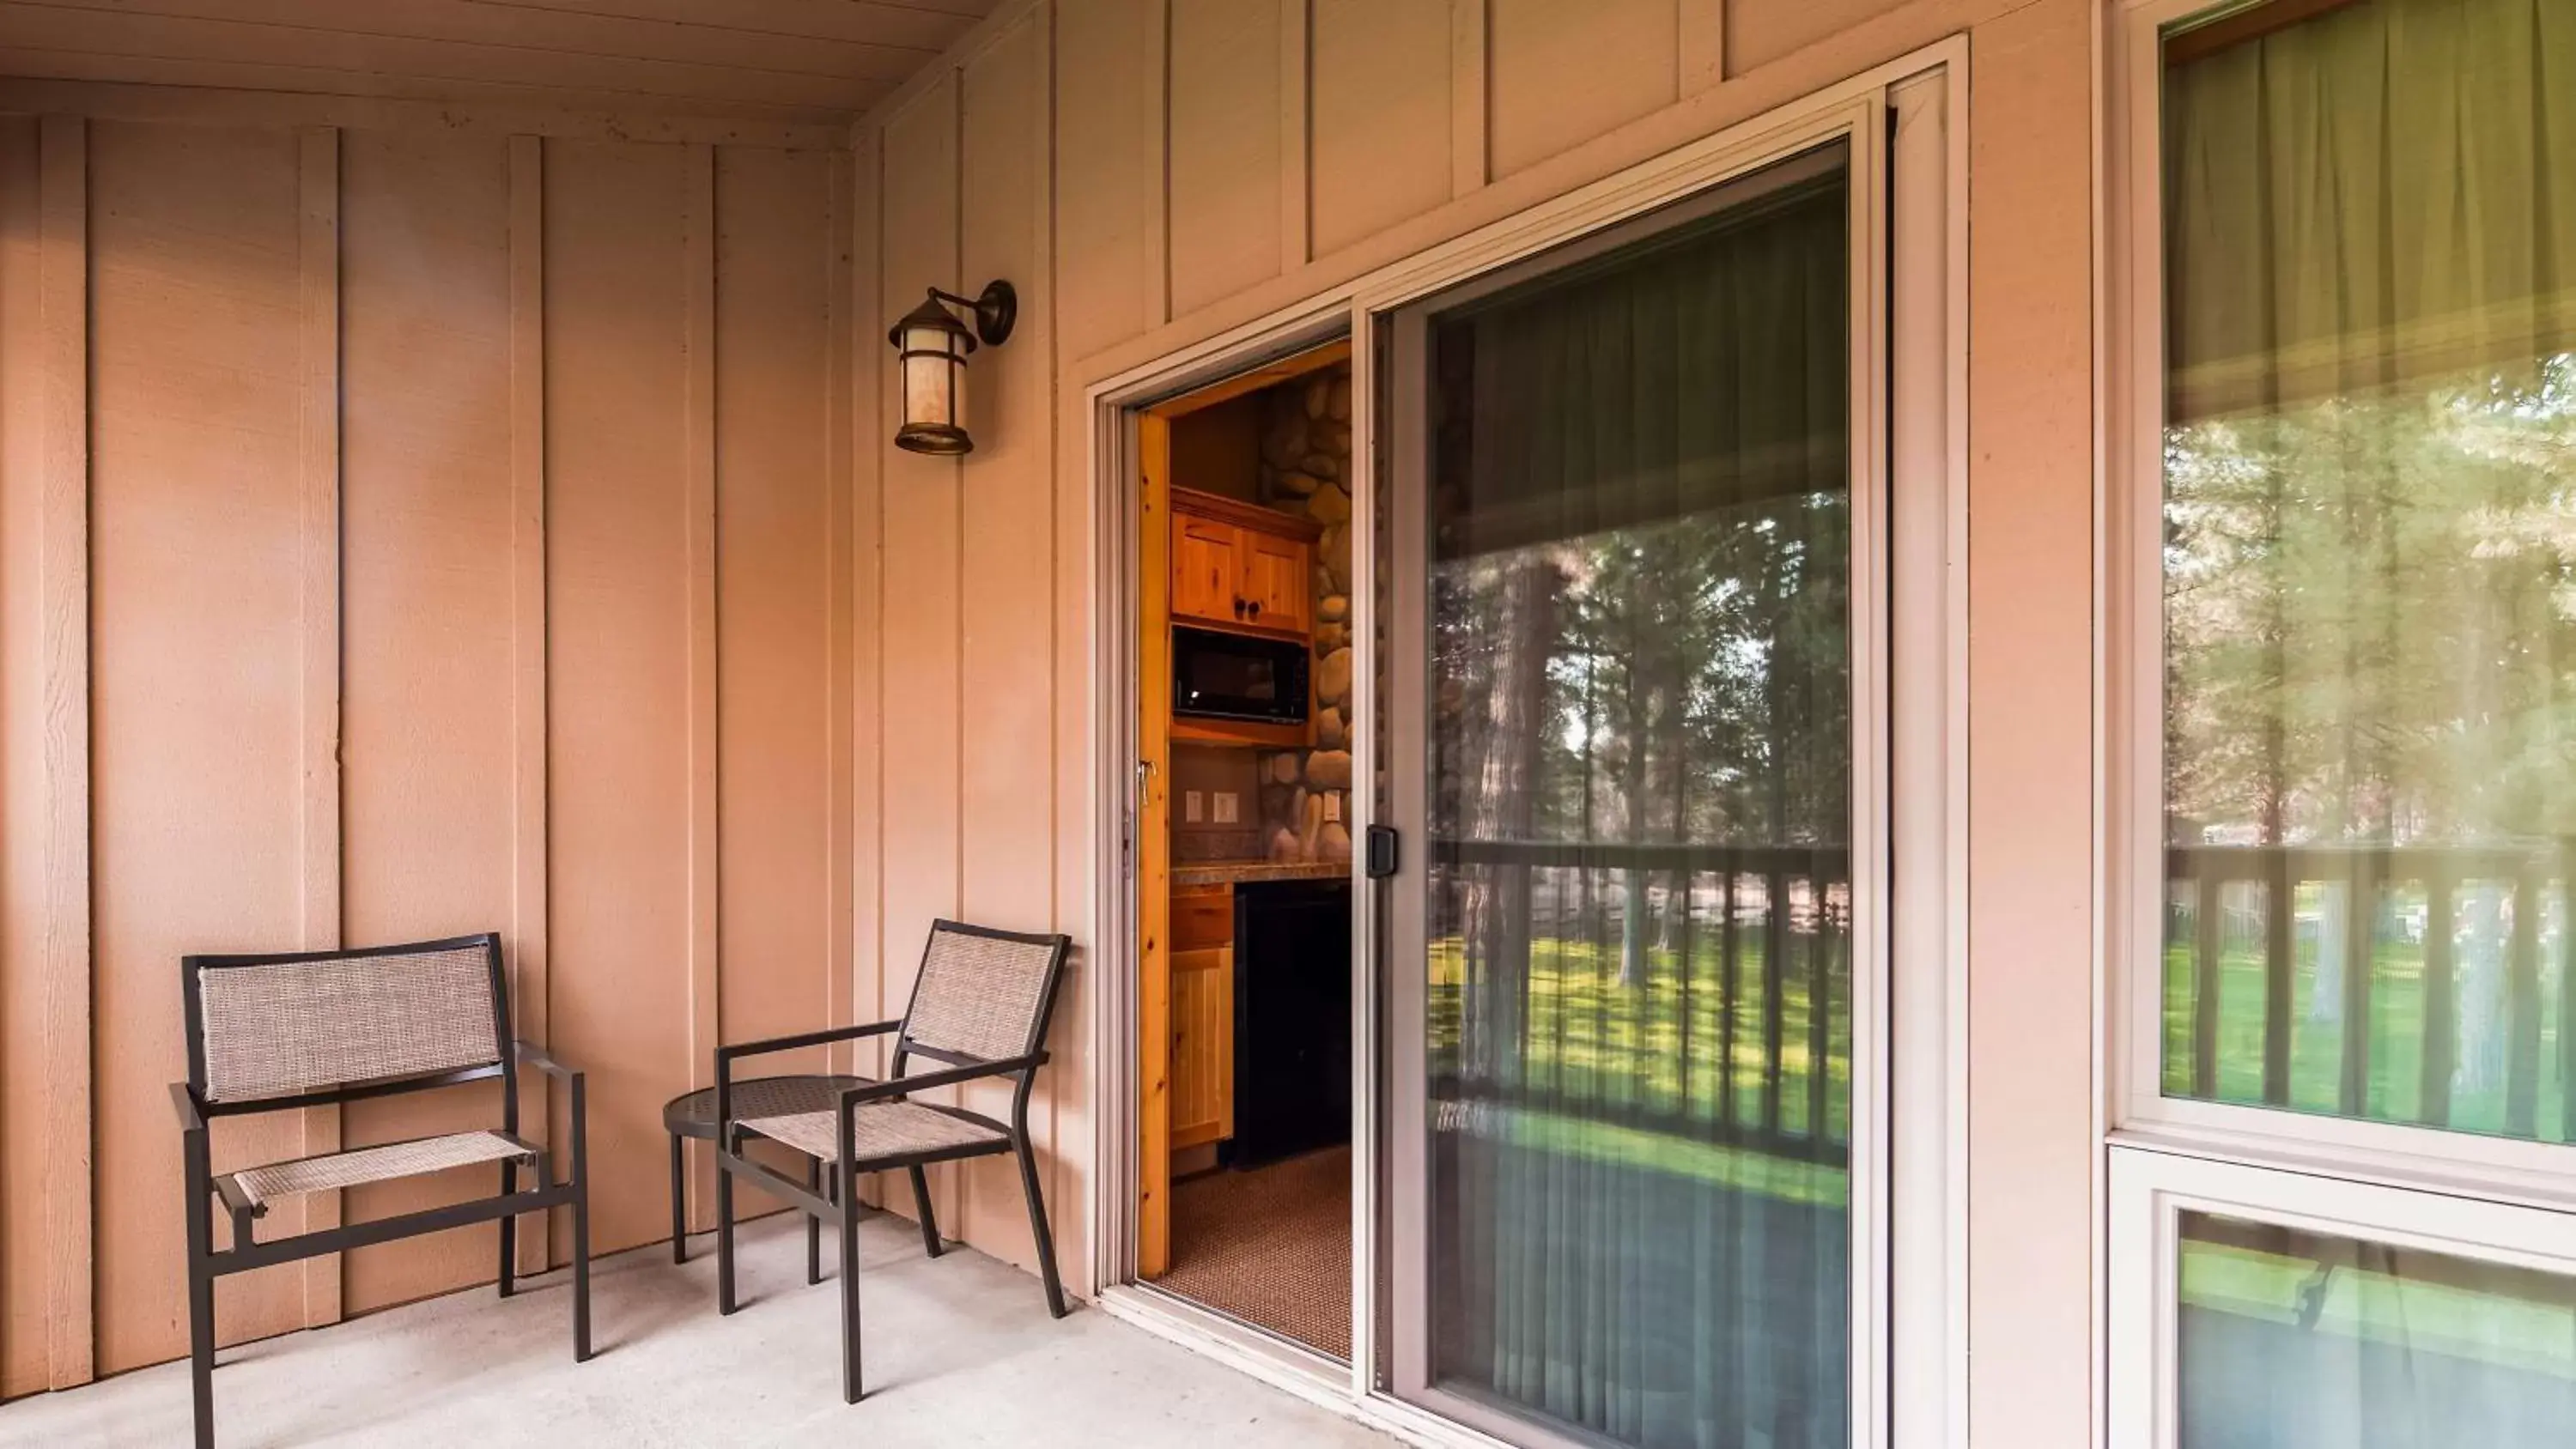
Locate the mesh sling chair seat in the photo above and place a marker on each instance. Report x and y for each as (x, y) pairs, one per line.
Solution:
(979, 1007)
(275, 1033)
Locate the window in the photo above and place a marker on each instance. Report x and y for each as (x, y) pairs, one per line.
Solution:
(2256, 1308)
(2342, 535)
(2367, 564)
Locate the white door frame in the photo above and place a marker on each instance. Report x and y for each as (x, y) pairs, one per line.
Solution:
(1916, 1358)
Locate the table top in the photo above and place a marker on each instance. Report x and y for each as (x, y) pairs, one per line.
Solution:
(694, 1113)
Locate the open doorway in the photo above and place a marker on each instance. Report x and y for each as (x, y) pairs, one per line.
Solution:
(1244, 846)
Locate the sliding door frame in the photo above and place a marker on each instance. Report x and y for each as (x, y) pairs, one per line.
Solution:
(1907, 120)
(1851, 139)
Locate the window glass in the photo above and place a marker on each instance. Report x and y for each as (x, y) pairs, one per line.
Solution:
(2297, 1340)
(2369, 564)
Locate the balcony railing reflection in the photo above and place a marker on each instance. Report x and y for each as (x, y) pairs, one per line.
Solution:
(2438, 973)
(1699, 992)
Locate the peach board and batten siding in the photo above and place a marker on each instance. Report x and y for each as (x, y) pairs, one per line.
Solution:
(1212, 169)
(519, 666)
(749, 692)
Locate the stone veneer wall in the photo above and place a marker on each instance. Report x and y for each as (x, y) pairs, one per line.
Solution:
(1305, 470)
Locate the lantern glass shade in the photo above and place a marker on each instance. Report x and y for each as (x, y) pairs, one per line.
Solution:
(932, 348)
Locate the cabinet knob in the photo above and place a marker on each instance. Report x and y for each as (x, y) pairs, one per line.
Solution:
(1238, 608)
(1256, 608)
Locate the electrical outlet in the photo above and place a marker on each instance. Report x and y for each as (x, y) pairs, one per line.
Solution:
(1227, 805)
(1193, 807)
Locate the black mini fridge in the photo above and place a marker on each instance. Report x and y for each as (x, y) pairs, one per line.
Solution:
(1292, 1019)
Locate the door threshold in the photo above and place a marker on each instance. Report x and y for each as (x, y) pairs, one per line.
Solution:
(1309, 1376)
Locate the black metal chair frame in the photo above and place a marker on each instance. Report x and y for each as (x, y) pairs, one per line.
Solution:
(206, 1263)
(837, 1202)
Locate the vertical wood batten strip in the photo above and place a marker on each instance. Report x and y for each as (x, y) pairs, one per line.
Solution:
(867, 597)
(1156, 115)
(1699, 41)
(699, 257)
(1070, 1061)
(840, 444)
(63, 589)
(528, 640)
(1296, 135)
(318, 463)
(1470, 128)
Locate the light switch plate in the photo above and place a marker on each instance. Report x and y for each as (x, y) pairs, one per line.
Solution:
(1193, 806)
(1332, 805)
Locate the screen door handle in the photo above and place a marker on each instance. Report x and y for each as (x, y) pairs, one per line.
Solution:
(1381, 851)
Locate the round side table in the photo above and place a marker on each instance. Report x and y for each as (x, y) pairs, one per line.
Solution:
(693, 1114)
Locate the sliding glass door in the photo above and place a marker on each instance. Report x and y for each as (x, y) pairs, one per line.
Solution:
(1633, 967)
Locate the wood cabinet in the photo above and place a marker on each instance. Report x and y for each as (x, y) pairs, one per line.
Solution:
(1202, 1015)
(1236, 566)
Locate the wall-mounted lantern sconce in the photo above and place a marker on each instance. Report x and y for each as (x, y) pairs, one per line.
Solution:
(931, 346)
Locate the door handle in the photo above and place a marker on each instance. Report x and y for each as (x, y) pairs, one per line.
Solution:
(1381, 852)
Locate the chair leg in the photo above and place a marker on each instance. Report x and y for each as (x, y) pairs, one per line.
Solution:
(929, 1219)
(679, 1202)
(201, 1288)
(509, 1231)
(201, 1352)
(849, 1183)
(813, 1225)
(580, 1225)
(724, 1233)
(1038, 1229)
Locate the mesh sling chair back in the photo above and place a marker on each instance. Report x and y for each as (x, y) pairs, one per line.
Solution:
(979, 1007)
(274, 1033)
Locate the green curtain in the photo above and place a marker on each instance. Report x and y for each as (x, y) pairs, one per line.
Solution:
(1641, 814)
(2370, 566)
(2383, 194)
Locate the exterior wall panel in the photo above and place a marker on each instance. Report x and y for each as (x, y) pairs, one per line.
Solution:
(364, 448)
(427, 623)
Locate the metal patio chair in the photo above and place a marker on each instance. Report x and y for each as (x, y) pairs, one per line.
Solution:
(277, 1033)
(980, 1005)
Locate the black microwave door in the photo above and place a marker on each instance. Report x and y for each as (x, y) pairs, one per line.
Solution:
(1218, 676)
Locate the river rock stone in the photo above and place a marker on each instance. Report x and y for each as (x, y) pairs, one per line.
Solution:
(1319, 396)
(1333, 842)
(1310, 826)
(1339, 408)
(1329, 637)
(1329, 506)
(1334, 609)
(1322, 465)
(1328, 728)
(1283, 845)
(1299, 484)
(1333, 676)
(1329, 769)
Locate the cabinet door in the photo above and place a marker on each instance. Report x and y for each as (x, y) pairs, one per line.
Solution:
(1205, 573)
(1277, 574)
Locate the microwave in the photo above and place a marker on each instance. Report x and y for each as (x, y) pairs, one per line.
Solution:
(1216, 675)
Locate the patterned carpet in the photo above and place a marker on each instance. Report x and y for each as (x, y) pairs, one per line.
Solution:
(1271, 1247)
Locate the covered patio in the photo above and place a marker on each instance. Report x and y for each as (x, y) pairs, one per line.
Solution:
(958, 1358)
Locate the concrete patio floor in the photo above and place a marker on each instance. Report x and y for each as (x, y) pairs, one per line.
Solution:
(960, 1351)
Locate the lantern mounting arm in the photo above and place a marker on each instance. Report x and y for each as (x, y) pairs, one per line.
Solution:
(996, 309)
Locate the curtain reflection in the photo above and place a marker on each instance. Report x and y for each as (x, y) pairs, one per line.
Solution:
(1640, 902)
(2370, 566)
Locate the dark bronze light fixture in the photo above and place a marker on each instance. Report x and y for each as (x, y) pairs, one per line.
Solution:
(930, 346)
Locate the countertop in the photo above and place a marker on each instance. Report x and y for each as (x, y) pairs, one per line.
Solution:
(1243, 872)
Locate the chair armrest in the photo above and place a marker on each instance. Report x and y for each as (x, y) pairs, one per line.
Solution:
(183, 1100)
(882, 1091)
(725, 1054)
(530, 1054)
